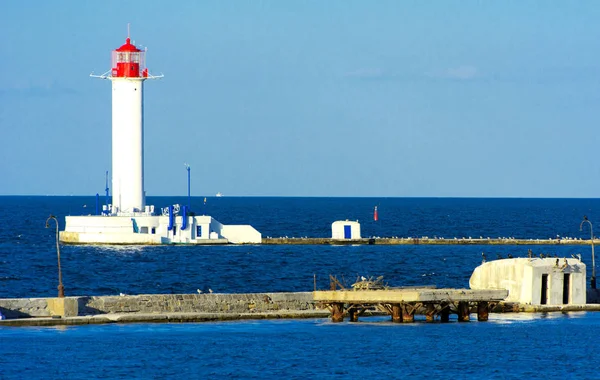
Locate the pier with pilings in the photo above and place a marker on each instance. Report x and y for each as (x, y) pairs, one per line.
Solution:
(403, 303)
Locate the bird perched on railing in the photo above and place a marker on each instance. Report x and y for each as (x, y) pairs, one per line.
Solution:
(482, 257)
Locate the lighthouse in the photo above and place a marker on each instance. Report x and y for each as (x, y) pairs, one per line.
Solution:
(128, 220)
(127, 75)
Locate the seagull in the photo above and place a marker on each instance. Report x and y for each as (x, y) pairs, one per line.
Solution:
(199, 291)
(210, 290)
(510, 256)
(529, 253)
(362, 278)
(556, 262)
(122, 294)
(482, 257)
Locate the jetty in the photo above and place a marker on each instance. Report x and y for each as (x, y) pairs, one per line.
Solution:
(403, 303)
(423, 241)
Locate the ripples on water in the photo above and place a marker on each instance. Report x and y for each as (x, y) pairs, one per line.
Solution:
(509, 346)
(506, 347)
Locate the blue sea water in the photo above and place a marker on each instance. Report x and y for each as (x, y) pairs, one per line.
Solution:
(509, 346)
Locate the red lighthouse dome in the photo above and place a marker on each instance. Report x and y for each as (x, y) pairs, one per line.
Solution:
(128, 61)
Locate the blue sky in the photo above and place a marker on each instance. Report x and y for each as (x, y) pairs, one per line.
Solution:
(310, 98)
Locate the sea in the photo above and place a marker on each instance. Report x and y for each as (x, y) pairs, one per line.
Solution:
(508, 346)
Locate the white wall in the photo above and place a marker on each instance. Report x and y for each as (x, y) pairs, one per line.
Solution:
(127, 144)
(337, 229)
(241, 234)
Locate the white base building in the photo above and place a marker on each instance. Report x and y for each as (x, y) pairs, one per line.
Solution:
(146, 228)
(534, 281)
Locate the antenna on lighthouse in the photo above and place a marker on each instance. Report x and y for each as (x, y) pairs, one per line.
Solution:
(106, 189)
(128, 34)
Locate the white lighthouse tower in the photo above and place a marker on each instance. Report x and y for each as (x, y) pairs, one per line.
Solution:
(127, 76)
(128, 220)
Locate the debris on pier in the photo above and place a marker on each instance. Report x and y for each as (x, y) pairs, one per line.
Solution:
(363, 283)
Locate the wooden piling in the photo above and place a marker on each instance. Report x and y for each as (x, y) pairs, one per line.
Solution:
(337, 312)
(396, 313)
(430, 312)
(445, 313)
(353, 313)
(482, 311)
(463, 311)
(408, 313)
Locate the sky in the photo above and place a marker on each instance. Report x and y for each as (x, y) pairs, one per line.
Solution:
(309, 98)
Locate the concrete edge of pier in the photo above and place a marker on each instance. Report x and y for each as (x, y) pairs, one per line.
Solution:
(161, 318)
(423, 241)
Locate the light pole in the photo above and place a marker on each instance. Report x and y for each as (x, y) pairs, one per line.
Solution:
(61, 288)
(189, 198)
(593, 279)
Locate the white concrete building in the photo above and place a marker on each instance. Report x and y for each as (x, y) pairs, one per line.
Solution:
(534, 281)
(345, 229)
(128, 220)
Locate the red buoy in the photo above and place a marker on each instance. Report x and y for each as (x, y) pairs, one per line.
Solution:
(375, 216)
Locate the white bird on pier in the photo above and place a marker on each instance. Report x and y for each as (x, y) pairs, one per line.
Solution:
(210, 290)
(199, 291)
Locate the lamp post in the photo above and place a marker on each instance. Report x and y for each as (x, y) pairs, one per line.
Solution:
(61, 288)
(593, 279)
(189, 198)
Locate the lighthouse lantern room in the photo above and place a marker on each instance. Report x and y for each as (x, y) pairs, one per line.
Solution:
(128, 61)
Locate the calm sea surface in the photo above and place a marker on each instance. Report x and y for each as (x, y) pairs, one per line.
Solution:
(509, 346)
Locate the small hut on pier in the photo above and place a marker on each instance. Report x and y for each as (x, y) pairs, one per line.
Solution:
(534, 281)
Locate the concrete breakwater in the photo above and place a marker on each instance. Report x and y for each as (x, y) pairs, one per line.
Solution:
(157, 303)
(424, 241)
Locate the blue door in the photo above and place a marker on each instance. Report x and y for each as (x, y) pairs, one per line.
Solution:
(347, 232)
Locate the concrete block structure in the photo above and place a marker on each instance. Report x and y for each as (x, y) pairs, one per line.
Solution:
(534, 281)
(151, 229)
(345, 229)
